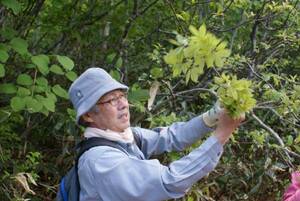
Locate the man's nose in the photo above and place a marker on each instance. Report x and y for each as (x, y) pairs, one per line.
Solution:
(123, 103)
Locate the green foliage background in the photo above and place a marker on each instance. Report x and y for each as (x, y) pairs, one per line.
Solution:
(44, 45)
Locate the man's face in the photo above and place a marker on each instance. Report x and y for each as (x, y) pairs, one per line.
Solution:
(113, 112)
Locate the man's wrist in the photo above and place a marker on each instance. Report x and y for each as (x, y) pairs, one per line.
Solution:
(221, 138)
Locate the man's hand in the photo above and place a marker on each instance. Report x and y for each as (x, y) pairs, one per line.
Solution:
(225, 126)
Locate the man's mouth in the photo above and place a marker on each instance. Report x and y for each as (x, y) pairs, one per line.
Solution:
(123, 116)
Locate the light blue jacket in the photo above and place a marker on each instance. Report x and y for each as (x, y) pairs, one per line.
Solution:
(108, 174)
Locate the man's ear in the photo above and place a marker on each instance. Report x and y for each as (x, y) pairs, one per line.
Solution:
(87, 118)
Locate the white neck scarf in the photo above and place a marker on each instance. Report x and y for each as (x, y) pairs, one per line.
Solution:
(126, 136)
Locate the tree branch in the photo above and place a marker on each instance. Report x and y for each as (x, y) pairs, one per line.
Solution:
(277, 137)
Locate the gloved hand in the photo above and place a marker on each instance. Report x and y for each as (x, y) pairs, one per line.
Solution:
(210, 117)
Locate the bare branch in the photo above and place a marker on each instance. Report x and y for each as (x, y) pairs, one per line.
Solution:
(276, 136)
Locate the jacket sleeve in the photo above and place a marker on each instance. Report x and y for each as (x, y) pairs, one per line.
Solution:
(122, 177)
(173, 138)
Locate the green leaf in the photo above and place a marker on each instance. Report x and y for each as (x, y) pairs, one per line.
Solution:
(171, 57)
(289, 140)
(138, 95)
(2, 71)
(22, 92)
(24, 79)
(8, 88)
(3, 56)
(32, 104)
(157, 72)
(17, 103)
(202, 30)
(49, 103)
(193, 30)
(42, 81)
(56, 69)
(58, 90)
(14, 5)
(41, 61)
(180, 17)
(119, 62)
(44, 111)
(190, 198)
(71, 75)
(110, 57)
(52, 96)
(40, 89)
(19, 45)
(66, 62)
(115, 74)
(209, 61)
(174, 42)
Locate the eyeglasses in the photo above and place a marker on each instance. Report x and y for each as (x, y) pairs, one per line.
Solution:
(115, 100)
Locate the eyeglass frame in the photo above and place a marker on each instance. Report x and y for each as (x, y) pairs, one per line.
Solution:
(115, 100)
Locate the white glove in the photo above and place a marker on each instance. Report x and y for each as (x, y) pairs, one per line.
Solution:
(210, 117)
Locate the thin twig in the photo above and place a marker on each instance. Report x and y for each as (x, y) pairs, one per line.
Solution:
(175, 16)
(197, 89)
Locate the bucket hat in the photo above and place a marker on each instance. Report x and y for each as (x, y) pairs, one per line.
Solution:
(89, 87)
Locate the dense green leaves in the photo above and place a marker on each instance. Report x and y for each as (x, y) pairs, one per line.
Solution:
(196, 51)
(32, 104)
(12, 4)
(8, 33)
(47, 102)
(235, 95)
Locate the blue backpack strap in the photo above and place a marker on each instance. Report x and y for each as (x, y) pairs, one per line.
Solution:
(62, 189)
(96, 141)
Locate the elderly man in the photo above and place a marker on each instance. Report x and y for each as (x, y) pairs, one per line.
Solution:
(109, 174)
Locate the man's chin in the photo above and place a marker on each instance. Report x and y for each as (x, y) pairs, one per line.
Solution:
(123, 127)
